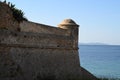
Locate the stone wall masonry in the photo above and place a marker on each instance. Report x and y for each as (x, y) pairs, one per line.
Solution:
(27, 26)
(36, 56)
(39, 40)
(38, 64)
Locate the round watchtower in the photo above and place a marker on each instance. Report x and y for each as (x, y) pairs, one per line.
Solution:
(70, 25)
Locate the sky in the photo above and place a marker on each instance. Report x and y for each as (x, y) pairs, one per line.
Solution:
(99, 20)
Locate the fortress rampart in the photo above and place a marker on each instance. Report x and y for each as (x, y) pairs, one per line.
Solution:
(53, 54)
(39, 52)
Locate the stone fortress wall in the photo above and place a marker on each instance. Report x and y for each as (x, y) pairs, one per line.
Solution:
(38, 51)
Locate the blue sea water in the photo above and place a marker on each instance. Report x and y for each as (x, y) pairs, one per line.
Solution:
(101, 60)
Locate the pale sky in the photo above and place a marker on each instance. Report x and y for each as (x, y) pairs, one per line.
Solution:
(99, 20)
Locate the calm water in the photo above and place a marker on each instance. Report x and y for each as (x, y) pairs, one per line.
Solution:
(101, 60)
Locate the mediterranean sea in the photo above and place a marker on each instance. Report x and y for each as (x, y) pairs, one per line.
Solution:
(101, 60)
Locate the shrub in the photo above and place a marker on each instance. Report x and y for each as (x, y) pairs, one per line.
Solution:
(17, 13)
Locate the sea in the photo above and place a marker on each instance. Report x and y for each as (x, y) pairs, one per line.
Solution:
(101, 60)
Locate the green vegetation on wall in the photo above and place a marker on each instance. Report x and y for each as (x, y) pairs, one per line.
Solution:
(17, 13)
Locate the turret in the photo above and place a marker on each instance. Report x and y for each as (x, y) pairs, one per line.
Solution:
(70, 25)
